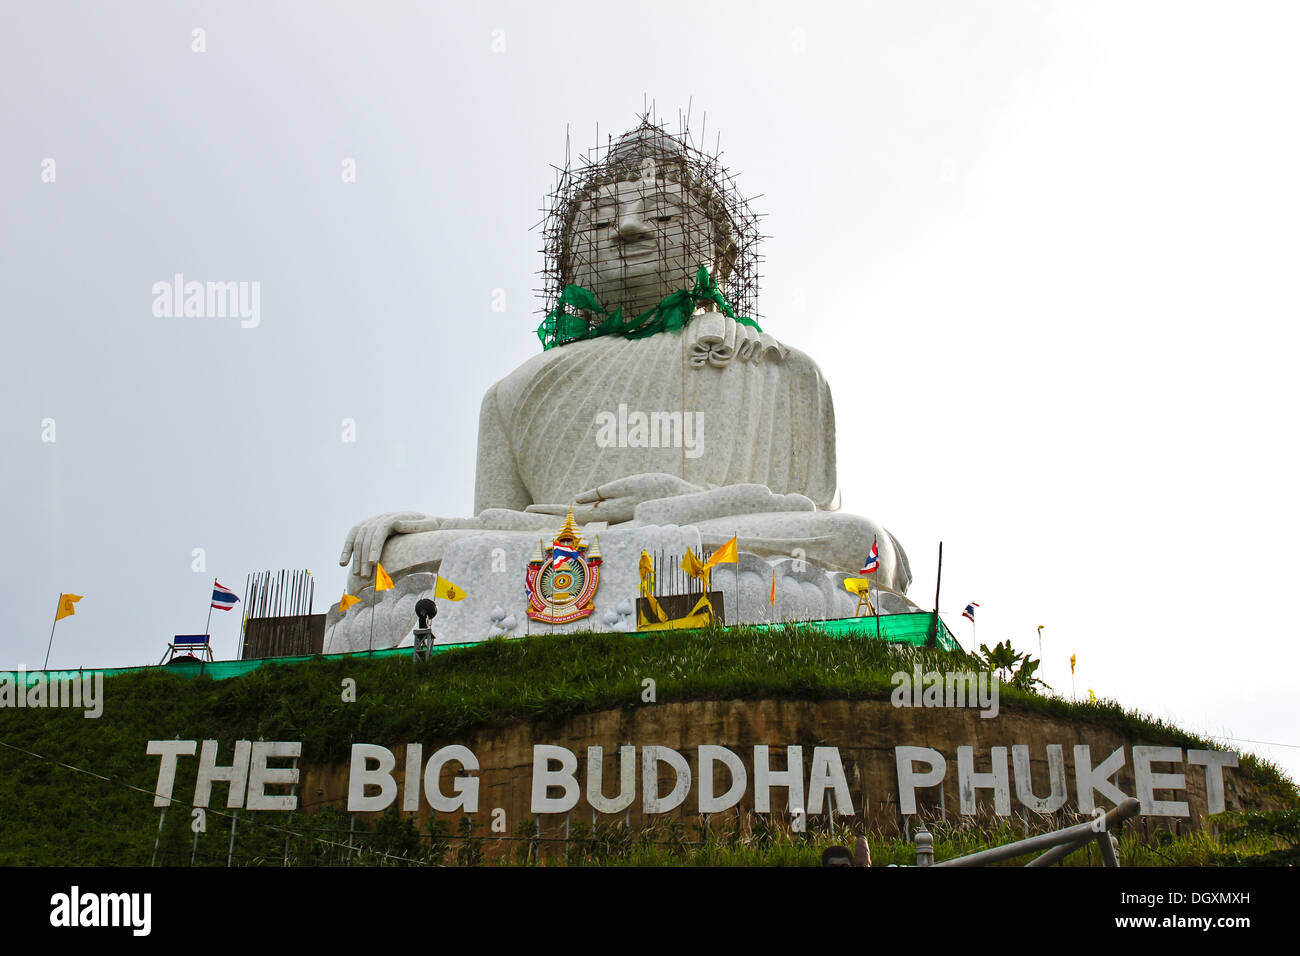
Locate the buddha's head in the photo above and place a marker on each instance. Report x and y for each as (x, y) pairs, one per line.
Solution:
(637, 226)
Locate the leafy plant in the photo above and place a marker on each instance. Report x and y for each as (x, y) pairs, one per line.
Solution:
(1279, 824)
(1011, 666)
(1003, 659)
(1024, 676)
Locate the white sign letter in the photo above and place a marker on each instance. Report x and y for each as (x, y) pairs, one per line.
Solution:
(260, 775)
(708, 755)
(791, 778)
(465, 788)
(544, 778)
(360, 776)
(909, 779)
(1148, 783)
(651, 802)
(169, 750)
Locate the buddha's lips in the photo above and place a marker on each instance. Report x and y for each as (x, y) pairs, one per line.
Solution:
(643, 265)
(640, 250)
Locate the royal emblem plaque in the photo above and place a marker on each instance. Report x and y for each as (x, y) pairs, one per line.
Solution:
(561, 580)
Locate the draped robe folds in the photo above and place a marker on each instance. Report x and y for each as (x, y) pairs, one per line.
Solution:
(765, 417)
(544, 430)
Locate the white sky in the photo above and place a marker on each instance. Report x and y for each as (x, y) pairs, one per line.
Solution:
(1045, 254)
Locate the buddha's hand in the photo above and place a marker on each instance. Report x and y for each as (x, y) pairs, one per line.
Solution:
(365, 542)
(717, 339)
(615, 501)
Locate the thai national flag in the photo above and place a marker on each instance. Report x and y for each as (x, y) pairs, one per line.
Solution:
(223, 599)
(561, 555)
(873, 560)
(969, 613)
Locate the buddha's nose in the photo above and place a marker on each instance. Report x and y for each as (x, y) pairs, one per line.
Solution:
(632, 227)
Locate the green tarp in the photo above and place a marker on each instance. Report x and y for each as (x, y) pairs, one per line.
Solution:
(561, 326)
(911, 629)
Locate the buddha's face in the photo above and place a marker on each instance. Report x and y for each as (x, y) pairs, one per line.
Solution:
(636, 241)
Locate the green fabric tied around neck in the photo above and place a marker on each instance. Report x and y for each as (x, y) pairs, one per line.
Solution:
(560, 327)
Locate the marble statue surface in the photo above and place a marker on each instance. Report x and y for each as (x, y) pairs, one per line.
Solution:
(682, 438)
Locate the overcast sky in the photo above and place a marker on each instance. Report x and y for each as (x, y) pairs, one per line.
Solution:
(1044, 253)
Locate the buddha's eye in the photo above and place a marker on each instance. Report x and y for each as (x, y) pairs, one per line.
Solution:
(667, 217)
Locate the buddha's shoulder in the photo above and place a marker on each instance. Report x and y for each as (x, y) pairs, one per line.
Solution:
(797, 358)
(570, 365)
(517, 388)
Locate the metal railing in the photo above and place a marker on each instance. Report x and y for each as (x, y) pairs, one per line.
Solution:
(1058, 844)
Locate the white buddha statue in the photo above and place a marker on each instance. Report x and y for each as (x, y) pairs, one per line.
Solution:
(636, 419)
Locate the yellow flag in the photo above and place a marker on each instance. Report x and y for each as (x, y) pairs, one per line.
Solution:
(702, 606)
(65, 606)
(729, 553)
(1092, 698)
(692, 565)
(447, 591)
(1071, 663)
(347, 601)
(382, 581)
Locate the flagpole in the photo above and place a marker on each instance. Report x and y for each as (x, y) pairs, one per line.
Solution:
(938, 579)
(52, 627)
(243, 619)
(875, 607)
(550, 598)
(1040, 649)
(207, 626)
(706, 585)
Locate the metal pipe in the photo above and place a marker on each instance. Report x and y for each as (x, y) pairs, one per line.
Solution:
(1106, 843)
(1112, 818)
(1060, 843)
(161, 817)
(234, 821)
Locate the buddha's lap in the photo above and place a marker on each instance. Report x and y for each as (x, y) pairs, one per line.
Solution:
(834, 540)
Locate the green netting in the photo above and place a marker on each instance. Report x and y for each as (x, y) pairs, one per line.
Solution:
(561, 326)
(911, 629)
(219, 670)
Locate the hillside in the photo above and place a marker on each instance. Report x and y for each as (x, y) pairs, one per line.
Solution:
(53, 815)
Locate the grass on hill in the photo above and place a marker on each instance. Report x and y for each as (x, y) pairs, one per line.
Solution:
(52, 815)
